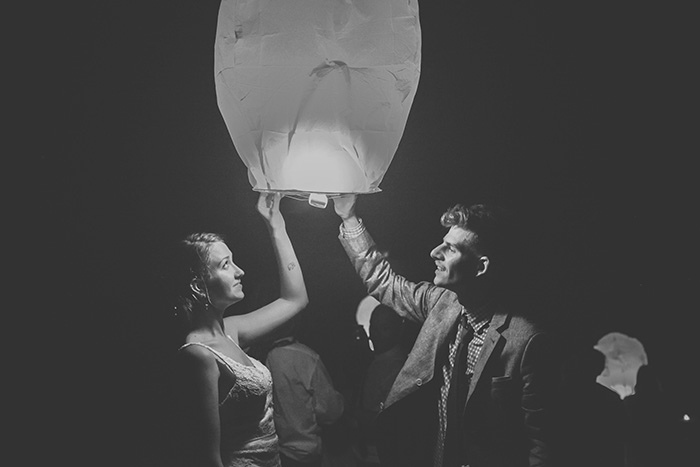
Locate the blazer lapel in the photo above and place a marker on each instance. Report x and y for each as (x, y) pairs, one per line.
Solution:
(422, 360)
(493, 338)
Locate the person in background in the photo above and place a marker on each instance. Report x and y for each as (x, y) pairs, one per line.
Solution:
(353, 356)
(304, 397)
(478, 384)
(591, 420)
(224, 396)
(386, 332)
(651, 423)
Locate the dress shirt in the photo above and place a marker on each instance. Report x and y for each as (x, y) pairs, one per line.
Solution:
(304, 399)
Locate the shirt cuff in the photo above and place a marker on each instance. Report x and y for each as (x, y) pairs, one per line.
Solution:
(354, 232)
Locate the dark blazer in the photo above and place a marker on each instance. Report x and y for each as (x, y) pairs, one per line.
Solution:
(505, 418)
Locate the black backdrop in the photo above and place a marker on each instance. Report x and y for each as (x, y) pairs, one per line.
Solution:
(571, 113)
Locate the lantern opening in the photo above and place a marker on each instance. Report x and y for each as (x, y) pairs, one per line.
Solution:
(319, 162)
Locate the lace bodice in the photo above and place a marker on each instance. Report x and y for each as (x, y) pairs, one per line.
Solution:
(248, 437)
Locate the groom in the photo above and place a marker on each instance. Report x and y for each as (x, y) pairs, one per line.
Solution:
(476, 388)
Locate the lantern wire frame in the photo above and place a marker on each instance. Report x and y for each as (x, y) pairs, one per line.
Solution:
(304, 195)
(315, 199)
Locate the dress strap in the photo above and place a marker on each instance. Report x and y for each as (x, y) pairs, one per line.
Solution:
(218, 354)
(250, 360)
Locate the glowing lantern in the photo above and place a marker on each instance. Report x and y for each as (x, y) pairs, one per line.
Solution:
(316, 93)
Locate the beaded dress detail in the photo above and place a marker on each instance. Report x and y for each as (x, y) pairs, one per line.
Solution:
(248, 437)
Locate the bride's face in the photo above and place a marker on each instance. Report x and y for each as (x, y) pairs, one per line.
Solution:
(224, 282)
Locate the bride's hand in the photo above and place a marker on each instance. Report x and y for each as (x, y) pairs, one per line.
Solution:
(269, 208)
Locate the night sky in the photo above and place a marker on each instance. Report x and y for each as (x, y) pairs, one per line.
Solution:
(576, 117)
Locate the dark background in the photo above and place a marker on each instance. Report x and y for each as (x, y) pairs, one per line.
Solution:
(574, 114)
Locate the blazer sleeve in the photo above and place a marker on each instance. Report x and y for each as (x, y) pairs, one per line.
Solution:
(410, 300)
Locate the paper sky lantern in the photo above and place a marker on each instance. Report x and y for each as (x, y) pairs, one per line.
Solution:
(316, 93)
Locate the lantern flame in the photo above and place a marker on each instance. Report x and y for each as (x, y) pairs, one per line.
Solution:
(321, 163)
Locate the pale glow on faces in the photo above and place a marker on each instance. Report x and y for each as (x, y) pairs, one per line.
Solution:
(224, 282)
(451, 259)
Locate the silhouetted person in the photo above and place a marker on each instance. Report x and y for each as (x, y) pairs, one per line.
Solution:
(390, 352)
(591, 421)
(340, 438)
(650, 422)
